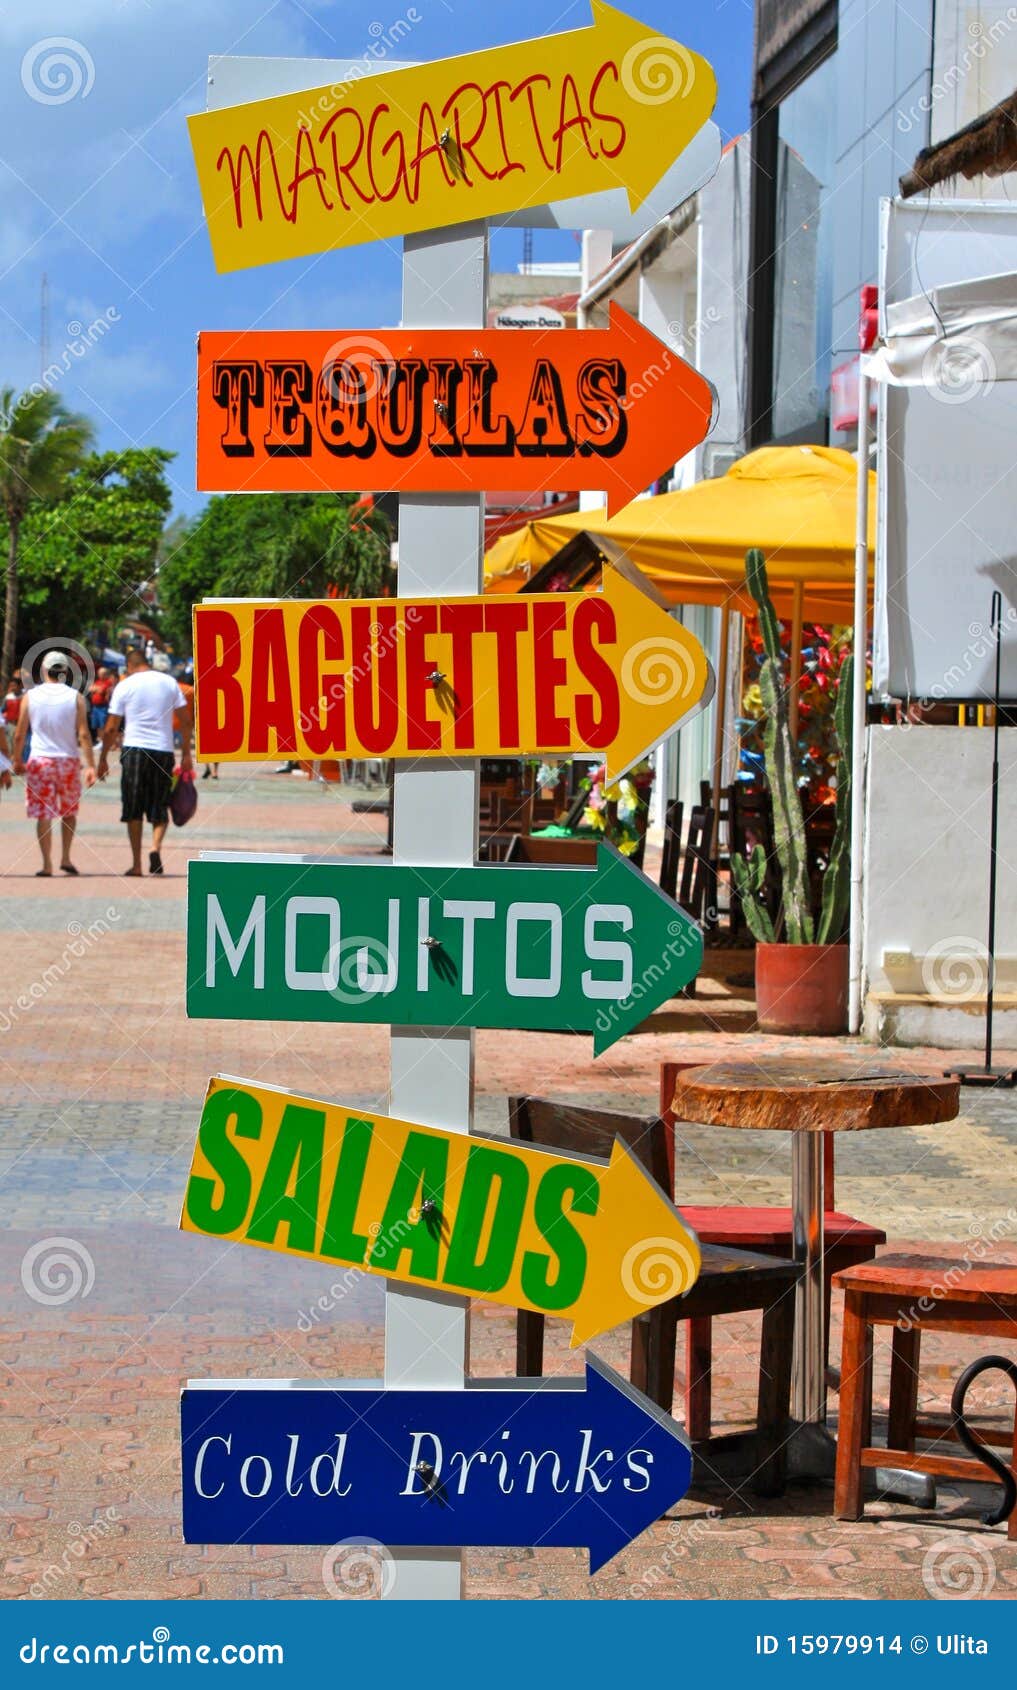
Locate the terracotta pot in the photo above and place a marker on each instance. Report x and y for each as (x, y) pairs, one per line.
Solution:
(802, 988)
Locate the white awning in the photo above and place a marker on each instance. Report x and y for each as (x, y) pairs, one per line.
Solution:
(956, 337)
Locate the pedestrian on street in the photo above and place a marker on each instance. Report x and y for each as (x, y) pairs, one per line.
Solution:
(143, 704)
(56, 715)
(99, 695)
(12, 705)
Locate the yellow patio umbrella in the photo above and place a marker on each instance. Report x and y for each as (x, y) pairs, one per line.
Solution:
(798, 503)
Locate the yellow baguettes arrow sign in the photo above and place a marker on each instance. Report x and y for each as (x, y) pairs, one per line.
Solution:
(535, 673)
(596, 1243)
(463, 138)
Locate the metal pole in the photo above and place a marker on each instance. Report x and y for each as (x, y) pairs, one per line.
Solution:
(719, 725)
(808, 1379)
(996, 622)
(435, 822)
(861, 618)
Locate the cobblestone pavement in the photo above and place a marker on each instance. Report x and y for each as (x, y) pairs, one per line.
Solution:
(101, 1077)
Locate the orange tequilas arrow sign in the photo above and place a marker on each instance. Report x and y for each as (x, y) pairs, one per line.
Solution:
(476, 136)
(445, 410)
(540, 673)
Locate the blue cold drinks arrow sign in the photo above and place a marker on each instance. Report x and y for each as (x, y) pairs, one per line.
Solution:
(571, 1464)
(592, 949)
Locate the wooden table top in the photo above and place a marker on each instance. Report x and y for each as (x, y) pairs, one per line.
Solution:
(817, 1094)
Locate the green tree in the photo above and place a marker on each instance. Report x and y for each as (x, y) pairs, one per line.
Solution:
(86, 554)
(272, 545)
(41, 445)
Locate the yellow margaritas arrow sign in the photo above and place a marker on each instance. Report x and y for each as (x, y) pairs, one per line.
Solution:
(498, 676)
(477, 136)
(596, 1243)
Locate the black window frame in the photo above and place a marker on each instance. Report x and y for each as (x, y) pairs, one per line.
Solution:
(774, 81)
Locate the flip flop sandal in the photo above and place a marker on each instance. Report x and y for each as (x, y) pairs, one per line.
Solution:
(154, 863)
(68, 868)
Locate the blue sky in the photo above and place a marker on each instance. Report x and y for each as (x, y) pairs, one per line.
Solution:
(98, 190)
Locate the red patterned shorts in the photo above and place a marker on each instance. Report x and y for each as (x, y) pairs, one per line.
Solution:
(52, 787)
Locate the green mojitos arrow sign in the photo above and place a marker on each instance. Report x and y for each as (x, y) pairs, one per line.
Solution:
(575, 949)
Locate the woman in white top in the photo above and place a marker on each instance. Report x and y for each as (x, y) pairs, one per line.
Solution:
(61, 743)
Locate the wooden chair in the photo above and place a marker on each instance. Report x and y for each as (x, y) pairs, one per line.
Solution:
(730, 1282)
(768, 1231)
(524, 848)
(913, 1294)
(697, 891)
(671, 853)
(751, 824)
(697, 869)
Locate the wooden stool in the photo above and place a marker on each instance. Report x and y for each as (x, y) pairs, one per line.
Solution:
(913, 1294)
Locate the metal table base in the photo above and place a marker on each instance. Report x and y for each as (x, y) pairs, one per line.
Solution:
(811, 1449)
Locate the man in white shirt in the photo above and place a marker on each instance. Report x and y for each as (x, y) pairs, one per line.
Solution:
(143, 703)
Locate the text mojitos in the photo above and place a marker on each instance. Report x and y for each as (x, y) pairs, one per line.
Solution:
(572, 949)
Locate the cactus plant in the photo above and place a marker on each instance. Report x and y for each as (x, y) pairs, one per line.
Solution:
(837, 879)
(788, 821)
(749, 875)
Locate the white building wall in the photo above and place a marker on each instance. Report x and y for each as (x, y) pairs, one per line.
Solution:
(926, 885)
(974, 67)
(717, 333)
(884, 62)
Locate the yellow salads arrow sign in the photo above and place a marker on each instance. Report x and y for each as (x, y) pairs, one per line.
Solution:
(596, 1243)
(447, 142)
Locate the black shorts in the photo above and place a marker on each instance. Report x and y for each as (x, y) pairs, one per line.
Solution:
(146, 778)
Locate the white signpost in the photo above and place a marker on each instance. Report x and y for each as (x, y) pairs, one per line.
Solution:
(441, 551)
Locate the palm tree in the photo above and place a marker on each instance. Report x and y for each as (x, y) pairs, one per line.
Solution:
(41, 443)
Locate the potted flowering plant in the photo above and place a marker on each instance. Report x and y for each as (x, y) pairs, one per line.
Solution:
(801, 966)
(619, 811)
